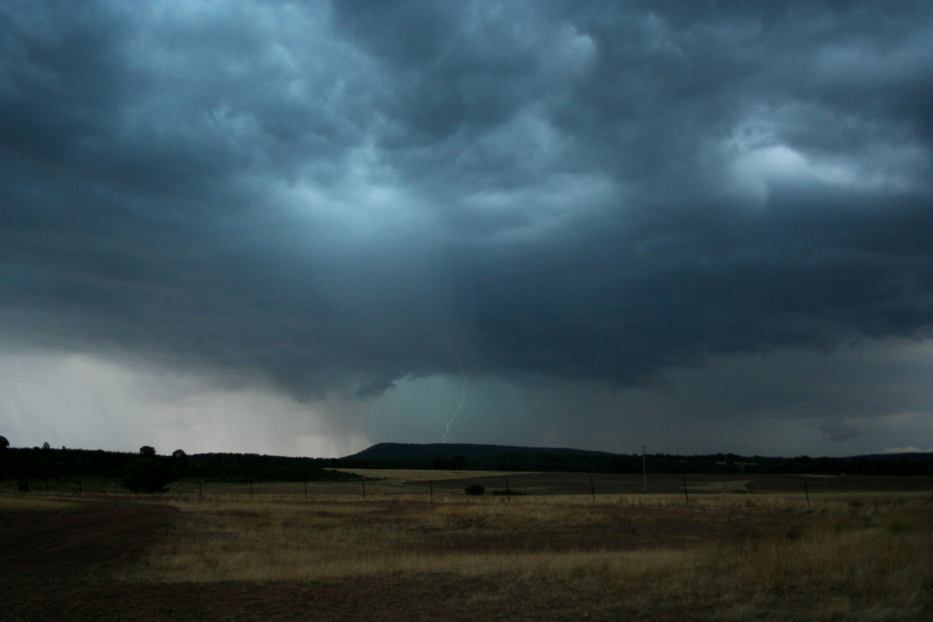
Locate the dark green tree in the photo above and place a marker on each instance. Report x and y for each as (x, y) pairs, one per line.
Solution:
(148, 475)
(147, 450)
(4, 443)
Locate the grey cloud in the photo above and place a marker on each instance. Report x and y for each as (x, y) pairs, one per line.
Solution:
(840, 430)
(326, 196)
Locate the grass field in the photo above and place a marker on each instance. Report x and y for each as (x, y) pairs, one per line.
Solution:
(395, 555)
(22, 502)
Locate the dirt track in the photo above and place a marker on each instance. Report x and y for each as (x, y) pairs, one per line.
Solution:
(94, 531)
(49, 558)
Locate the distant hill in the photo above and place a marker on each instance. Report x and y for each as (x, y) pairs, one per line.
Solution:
(430, 451)
(469, 456)
(459, 456)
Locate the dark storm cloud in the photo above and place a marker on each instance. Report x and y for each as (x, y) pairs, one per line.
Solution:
(328, 196)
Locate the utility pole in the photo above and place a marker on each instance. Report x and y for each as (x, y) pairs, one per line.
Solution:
(644, 470)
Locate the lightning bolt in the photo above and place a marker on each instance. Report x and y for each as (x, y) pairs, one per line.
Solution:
(456, 355)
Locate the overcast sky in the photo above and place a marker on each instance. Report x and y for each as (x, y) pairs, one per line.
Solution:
(302, 228)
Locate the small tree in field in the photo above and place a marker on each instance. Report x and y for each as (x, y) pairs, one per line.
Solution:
(4, 443)
(179, 453)
(147, 450)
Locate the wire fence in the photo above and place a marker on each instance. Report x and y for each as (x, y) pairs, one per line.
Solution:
(506, 488)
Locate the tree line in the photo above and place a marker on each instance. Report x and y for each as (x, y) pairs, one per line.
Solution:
(147, 469)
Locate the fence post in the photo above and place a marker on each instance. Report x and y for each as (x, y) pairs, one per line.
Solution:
(644, 469)
(250, 489)
(686, 496)
(431, 490)
(363, 484)
(508, 491)
(306, 490)
(806, 491)
(592, 490)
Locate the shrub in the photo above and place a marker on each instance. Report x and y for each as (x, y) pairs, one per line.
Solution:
(474, 489)
(147, 475)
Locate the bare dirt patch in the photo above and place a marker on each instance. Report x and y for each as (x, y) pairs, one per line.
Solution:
(48, 556)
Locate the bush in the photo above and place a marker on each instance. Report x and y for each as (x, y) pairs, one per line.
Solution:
(148, 476)
(474, 489)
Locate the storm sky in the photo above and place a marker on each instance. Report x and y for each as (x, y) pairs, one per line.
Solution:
(287, 227)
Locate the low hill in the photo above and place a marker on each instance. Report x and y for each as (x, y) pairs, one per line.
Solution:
(389, 451)
(513, 458)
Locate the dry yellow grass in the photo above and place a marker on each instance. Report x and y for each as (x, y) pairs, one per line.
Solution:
(11, 503)
(861, 557)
